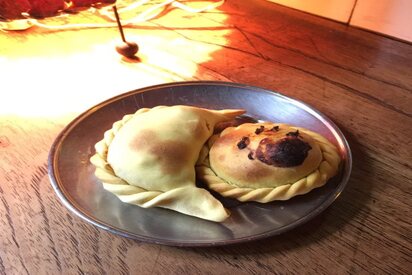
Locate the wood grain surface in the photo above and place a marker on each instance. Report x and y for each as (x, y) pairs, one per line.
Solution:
(362, 81)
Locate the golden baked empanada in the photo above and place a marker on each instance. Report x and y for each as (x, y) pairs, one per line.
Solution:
(264, 162)
(149, 158)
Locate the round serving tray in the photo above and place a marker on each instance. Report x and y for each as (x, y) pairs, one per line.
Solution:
(72, 175)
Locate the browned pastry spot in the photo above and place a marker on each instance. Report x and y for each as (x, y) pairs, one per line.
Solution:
(143, 139)
(293, 134)
(275, 128)
(287, 152)
(259, 130)
(243, 143)
(171, 148)
(147, 140)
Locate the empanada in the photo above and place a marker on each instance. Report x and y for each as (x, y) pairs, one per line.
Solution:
(264, 162)
(148, 159)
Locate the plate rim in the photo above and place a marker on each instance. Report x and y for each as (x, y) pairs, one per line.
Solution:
(77, 210)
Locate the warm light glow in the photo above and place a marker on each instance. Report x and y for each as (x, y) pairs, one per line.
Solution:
(62, 73)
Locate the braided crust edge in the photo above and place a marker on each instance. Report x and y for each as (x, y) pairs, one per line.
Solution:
(123, 190)
(112, 183)
(328, 167)
(144, 198)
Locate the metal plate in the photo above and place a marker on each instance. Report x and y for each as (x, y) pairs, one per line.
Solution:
(72, 175)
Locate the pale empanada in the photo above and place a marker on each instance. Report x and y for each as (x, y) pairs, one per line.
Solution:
(148, 159)
(264, 162)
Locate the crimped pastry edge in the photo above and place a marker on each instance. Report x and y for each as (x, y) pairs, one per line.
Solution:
(328, 168)
(136, 195)
(104, 172)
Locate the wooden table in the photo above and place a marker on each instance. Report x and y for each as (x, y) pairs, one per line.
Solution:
(362, 81)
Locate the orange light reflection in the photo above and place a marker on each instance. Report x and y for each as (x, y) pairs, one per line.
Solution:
(61, 73)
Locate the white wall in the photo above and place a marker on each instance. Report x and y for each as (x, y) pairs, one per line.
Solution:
(389, 17)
